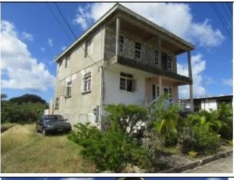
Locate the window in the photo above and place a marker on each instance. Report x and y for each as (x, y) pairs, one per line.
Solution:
(155, 91)
(156, 57)
(88, 47)
(87, 82)
(169, 62)
(137, 50)
(121, 44)
(126, 82)
(68, 89)
(56, 103)
(67, 59)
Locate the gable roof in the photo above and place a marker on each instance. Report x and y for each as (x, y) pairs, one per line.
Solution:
(117, 8)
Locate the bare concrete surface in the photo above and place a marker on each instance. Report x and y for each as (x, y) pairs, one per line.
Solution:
(223, 165)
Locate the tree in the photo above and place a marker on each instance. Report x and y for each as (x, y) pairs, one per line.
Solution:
(3, 96)
(28, 98)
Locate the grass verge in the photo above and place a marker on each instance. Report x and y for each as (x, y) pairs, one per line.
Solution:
(25, 151)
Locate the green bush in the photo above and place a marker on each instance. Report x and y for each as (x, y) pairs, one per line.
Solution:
(198, 139)
(166, 120)
(111, 150)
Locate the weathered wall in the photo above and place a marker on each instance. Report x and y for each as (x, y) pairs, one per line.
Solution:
(148, 48)
(79, 107)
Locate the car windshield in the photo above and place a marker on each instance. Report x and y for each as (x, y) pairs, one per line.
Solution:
(51, 118)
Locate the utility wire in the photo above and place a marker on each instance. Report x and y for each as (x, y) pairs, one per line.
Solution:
(227, 12)
(58, 21)
(73, 33)
(220, 18)
(229, 7)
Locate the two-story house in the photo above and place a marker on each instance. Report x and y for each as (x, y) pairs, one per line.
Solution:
(122, 58)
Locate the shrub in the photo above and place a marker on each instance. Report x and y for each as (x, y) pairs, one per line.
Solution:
(199, 139)
(166, 120)
(111, 150)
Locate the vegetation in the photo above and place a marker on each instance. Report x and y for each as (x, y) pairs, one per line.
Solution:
(25, 151)
(24, 109)
(132, 135)
(116, 147)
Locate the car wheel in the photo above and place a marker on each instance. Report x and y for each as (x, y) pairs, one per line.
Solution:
(44, 133)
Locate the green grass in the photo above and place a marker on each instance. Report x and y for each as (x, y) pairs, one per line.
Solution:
(25, 151)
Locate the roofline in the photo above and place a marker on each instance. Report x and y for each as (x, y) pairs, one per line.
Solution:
(98, 22)
(213, 97)
(132, 13)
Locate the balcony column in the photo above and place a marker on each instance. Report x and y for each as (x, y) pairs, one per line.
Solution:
(117, 36)
(191, 84)
(160, 85)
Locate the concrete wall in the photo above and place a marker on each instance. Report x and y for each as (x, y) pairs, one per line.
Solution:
(148, 48)
(209, 104)
(112, 92)
(79, 107)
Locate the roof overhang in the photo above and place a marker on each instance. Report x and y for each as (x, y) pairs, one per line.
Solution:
(126, 14)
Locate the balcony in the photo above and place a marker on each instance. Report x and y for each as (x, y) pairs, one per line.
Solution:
(141, 65)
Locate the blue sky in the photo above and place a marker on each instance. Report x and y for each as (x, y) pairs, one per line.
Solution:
(34, 34)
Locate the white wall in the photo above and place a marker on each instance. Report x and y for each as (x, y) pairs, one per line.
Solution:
(112, 92)
(209, 104)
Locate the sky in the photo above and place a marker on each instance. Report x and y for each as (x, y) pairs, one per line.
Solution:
(34, 34)
(112, 178)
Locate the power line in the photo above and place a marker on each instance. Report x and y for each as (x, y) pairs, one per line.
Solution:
(220, 18)
(58, 21)
(73, 32)
(230, 9)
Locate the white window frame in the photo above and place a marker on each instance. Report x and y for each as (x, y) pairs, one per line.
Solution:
(138, 49)
(56, 106)
(127, 82)
(87, 82)
(68, 89)
(67, 60)
(89, 47)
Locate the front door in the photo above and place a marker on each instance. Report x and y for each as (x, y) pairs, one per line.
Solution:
(155, 91)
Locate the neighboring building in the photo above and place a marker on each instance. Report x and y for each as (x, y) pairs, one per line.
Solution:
(122, 58)
(209, 103)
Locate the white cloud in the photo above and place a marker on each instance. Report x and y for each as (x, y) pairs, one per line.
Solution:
(27, 36)
(228, 82)
(50, 42)
(198, 66)
(21, 69)
(175, 17)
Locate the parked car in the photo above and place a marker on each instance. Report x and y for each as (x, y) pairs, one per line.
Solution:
(52, 124)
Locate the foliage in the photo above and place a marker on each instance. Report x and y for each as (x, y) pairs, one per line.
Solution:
(110, 150)
(192, 154)
(225, 115)
(28, 98)
(125, 118)
(198, 139)
(166, 120)
(20, 113)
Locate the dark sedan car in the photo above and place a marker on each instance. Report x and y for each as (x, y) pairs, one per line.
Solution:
(52, 123)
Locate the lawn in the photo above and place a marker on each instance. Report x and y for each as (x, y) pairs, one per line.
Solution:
(25, 151)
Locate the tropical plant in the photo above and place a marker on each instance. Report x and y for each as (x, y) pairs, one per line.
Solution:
(166, 120)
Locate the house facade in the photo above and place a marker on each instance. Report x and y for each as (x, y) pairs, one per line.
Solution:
(122, 58)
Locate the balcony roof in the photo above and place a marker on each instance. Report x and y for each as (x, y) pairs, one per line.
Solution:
(127, 15)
